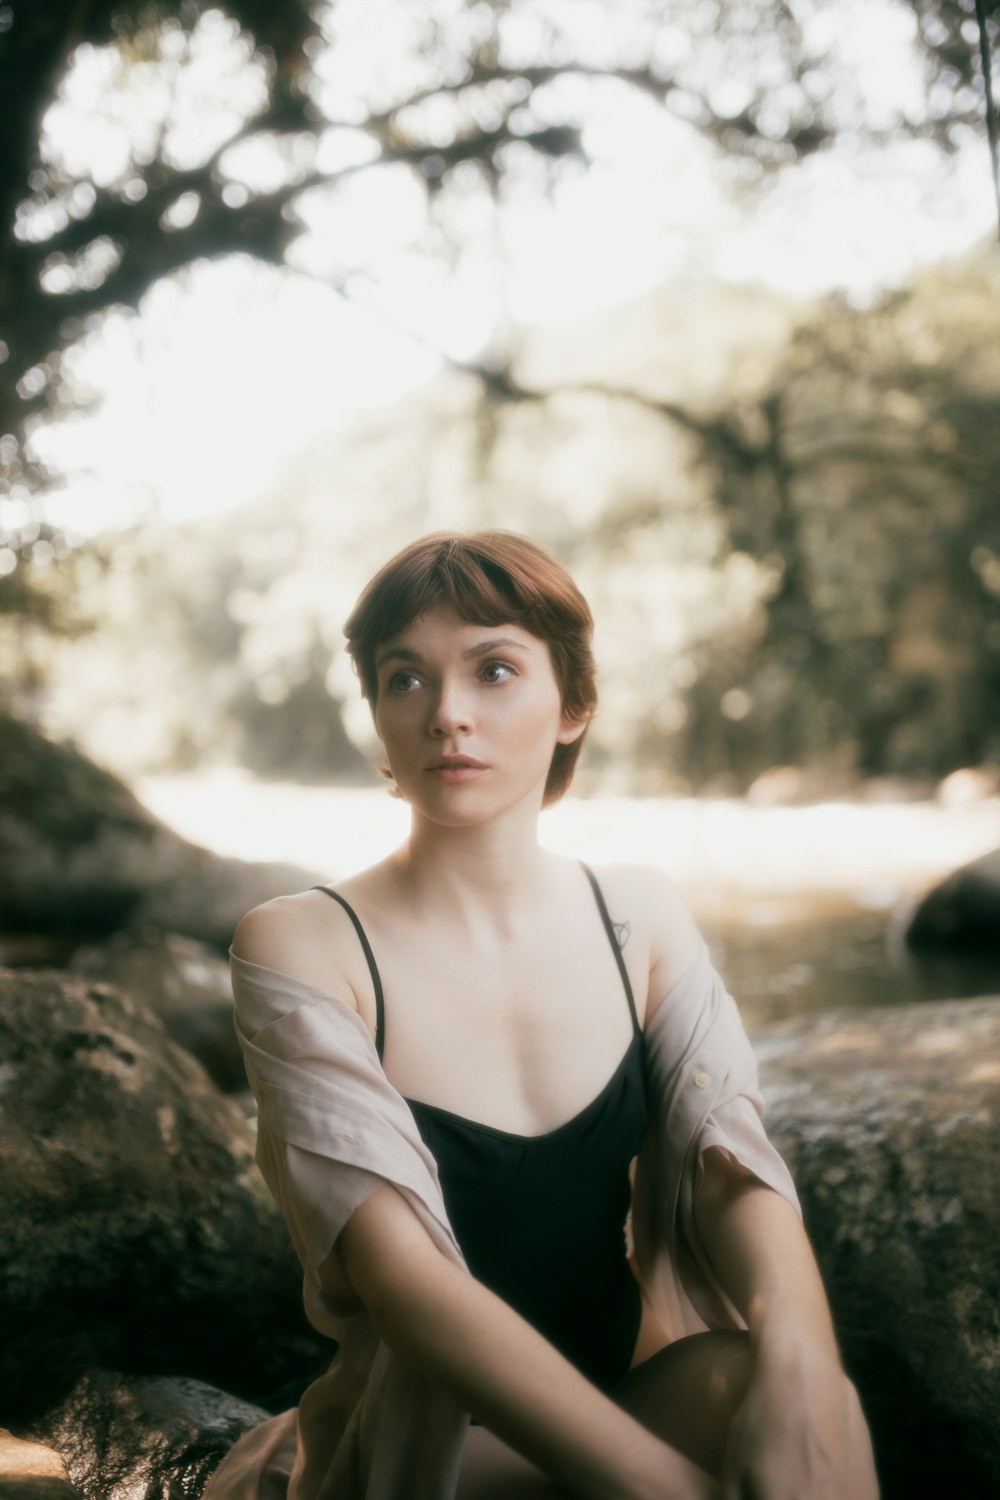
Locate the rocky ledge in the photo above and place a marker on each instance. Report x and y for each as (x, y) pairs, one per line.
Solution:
(889, 1121)
(138, 1235)
(80, 856)
(151, 1303)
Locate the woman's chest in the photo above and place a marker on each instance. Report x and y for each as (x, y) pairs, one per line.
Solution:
(519, 1038)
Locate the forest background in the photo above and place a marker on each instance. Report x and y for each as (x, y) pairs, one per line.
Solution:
(364, 238)
(704, 295)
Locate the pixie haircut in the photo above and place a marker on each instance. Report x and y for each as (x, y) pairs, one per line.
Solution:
(487, 578)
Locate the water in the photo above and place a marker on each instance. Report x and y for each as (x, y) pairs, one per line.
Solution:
(803, 907)
(855, 960)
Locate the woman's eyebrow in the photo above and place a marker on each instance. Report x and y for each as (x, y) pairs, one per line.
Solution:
(501, 642)
(406, 653)
(397, 653)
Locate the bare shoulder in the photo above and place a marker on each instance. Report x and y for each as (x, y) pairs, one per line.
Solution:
(271, 931)
(307, 936)
(649, 896)
(656, 910)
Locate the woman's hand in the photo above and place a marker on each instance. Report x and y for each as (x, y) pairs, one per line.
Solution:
(799, 1433)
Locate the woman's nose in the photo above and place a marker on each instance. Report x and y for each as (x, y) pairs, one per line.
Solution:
(451, 713)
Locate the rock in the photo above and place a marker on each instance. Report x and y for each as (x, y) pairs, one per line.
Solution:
(128, 1437)
(882, 789)
(888, 1120)
(969, 785)
(79, 854)
(964, 910)
(186, 983)
(800, 786)
(137, 1233)
(32, 1471)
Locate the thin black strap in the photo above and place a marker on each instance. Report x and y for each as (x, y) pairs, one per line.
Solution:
(613, 940)
(373, 966)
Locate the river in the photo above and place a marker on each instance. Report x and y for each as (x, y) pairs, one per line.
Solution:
(803, 907)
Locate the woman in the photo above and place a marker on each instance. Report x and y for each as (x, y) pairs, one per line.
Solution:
(457, 1056)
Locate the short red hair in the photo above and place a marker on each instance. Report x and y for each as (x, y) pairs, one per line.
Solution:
(487, 578)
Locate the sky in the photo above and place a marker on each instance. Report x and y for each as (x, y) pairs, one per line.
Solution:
(232, 369)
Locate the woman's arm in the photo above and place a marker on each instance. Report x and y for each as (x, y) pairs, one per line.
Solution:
(762, 1257)
(435, 1315)
(438, 1317)
(800, 1433)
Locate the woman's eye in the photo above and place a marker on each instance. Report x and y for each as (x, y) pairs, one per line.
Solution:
(498, 671)
(402, 682)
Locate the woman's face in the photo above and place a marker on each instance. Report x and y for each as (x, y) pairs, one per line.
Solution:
(469, 715)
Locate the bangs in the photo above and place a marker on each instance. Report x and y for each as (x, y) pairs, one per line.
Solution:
(456, 576)
(486, 580)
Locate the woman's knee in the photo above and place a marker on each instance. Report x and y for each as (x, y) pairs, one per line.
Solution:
(686, 1393)
(689, 1392)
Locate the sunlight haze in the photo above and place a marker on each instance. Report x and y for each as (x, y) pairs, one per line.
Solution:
(231, 369)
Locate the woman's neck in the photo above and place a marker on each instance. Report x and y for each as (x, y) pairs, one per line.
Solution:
(487, 877)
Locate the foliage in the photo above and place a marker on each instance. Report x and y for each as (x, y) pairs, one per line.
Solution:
(856, 493)
(40, 575)
(872, 489)
(807, 574)
(139, 137)
(464, 91)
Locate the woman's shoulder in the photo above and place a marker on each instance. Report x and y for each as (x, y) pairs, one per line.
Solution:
(638, 879)
(307, 936)
(270, 929)
(648, 892)
(651, 902)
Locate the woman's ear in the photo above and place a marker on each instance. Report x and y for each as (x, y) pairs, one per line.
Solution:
(572, 729)
(390, 782)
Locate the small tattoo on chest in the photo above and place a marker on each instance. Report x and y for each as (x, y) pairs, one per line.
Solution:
(623, 931)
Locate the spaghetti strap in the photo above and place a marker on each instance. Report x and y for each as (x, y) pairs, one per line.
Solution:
(377, 978)
(372, 965)
(613, 940)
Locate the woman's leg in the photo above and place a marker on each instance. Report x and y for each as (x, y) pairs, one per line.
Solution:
(493, 1471)
(686, 1394)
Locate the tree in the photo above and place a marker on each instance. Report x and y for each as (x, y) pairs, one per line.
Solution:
(468, 88)
(866, 478)
(806, 574)
(467, 97)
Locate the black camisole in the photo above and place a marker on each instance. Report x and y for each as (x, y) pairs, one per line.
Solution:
(541, 1218)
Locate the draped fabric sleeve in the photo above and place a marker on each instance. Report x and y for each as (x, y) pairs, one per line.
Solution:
(331, 1130)
(702, 1092)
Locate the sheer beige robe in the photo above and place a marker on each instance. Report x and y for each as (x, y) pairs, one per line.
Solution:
(332, 1129)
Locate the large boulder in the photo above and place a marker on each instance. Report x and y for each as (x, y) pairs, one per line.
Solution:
(963, 910)
(80, 855)
(137, 1233)
(888, 1120)
(134, 1437)
(185, 982)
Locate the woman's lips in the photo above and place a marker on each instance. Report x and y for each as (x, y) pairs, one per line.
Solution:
(460, 769)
